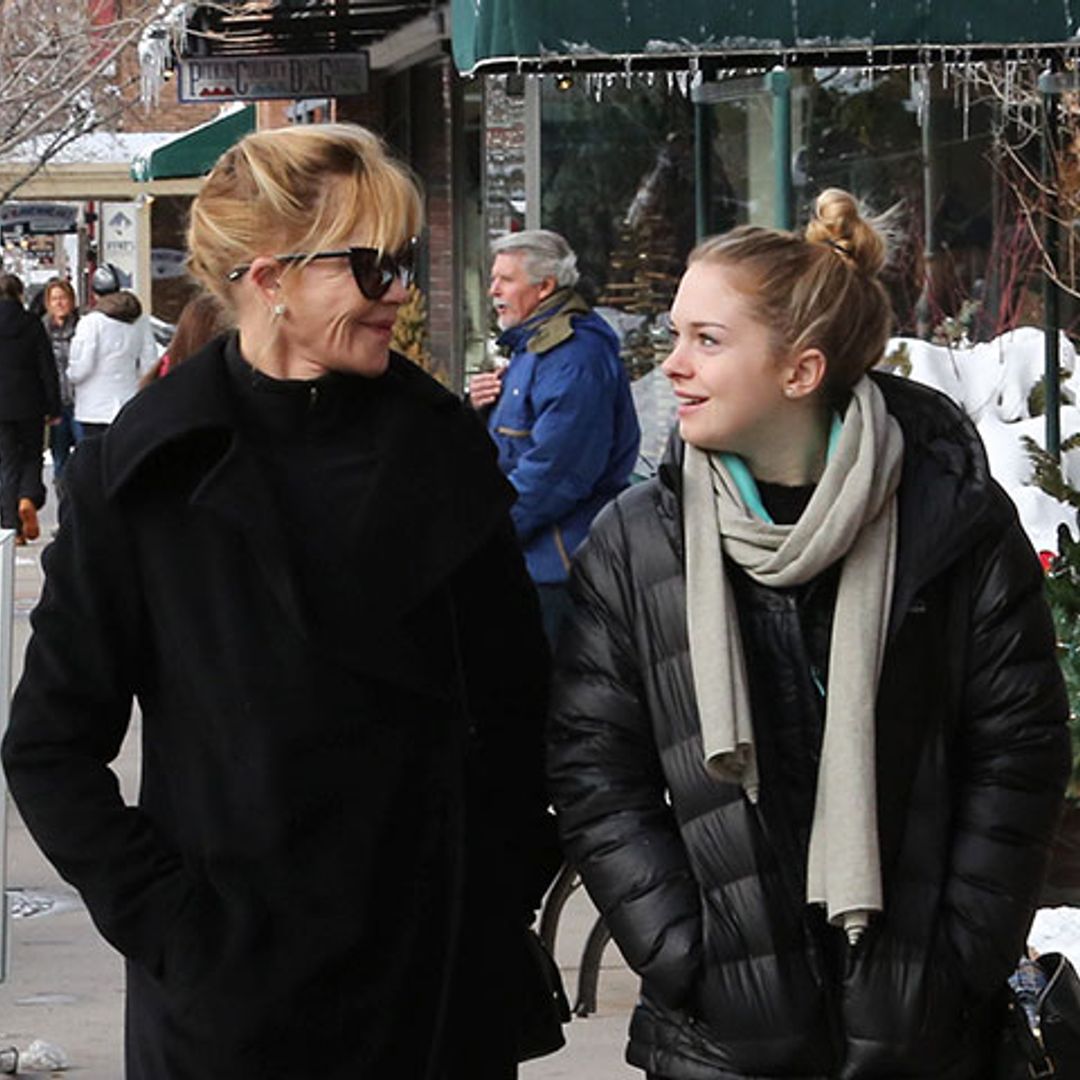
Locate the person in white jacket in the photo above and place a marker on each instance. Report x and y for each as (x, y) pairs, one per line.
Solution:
(112, 348)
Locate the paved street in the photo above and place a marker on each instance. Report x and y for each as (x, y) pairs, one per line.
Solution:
(65, 985)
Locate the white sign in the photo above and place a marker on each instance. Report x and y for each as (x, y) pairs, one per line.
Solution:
(39, 218)
(118, 239)
(259, 78)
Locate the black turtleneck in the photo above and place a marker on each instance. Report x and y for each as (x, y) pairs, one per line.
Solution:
(318, 458)
(785, 502)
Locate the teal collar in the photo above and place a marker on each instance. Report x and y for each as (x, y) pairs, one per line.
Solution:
(747, 485)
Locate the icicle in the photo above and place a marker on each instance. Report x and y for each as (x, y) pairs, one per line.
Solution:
(682, 80)
(967, 108)
(153, 52)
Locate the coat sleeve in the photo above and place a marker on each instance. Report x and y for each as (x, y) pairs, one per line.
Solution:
(617, 824)
(148, 355)
(83, 355)
(69, 716)
(573, 395)
(507, 667)
(1011, 762)
(50, 378)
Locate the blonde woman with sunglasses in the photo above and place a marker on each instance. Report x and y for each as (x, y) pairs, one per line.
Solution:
(296, 554)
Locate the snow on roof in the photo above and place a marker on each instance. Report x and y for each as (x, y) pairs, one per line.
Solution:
(98, 147)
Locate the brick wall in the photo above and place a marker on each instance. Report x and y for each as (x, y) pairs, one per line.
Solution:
(432, 159)
(411, 110)
(168, 114)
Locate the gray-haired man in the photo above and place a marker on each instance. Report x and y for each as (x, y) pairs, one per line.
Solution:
(563, 418)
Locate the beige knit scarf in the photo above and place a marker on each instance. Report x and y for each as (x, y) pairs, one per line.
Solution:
(851, 516)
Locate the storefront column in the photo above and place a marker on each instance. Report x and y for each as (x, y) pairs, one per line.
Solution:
(703, 133)
(532, 152)
(143, 284)
(778, 81)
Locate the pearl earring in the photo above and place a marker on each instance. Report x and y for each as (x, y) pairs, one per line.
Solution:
(278, 310)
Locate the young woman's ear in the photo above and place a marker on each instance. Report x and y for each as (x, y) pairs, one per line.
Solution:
(804, 373)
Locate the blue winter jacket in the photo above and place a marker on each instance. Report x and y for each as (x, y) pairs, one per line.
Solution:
(565, 428)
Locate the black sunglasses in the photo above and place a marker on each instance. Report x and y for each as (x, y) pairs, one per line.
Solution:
(374, 272)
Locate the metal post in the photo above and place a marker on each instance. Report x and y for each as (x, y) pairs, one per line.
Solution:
(1051, 309)
(779, 83)
(7, 630)
(703, 132)
(924, 308)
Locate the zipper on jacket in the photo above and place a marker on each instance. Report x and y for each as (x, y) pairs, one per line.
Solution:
(313, 396)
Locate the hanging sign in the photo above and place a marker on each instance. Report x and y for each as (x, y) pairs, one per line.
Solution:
(38, 218)
(260, 78)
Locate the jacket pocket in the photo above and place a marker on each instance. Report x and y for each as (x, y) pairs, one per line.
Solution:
(904, 1010)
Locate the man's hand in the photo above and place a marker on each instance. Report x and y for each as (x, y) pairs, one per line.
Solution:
(484, 388)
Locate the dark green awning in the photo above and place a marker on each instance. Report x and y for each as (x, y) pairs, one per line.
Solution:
(194, 152)
(501, 35)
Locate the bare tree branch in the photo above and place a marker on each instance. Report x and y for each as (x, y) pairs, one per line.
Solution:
(64, 72)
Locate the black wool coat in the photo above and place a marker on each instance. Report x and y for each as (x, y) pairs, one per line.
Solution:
(29, 384)
(336, 843)
(705, 892)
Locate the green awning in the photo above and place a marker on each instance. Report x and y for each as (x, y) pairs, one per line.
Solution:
(504, 35)
(194, 152)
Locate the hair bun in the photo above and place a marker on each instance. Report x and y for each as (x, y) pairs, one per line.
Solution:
(839, 223)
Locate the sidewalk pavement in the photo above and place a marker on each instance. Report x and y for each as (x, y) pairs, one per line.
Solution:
(65, 985)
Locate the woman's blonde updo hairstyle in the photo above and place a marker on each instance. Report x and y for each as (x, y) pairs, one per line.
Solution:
(819, 290)
(298, 189)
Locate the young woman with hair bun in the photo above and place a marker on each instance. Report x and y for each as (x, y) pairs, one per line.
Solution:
(808, 745)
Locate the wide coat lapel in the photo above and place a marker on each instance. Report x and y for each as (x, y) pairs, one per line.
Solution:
(435, 499)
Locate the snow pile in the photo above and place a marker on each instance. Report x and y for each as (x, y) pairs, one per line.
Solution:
(992, 383)
(1057, 930)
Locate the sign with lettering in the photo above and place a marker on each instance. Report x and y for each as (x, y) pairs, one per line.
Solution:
(38, 218)
(260, 78)
(119, 239)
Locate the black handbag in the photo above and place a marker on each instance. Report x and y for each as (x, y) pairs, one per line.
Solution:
(1053, 1050)
(544, 1008)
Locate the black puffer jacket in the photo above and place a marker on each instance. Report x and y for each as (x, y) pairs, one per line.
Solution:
(704, 892)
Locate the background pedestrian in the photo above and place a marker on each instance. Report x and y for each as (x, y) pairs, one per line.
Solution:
(561, 413)
(112, 348)
(60, 318)
(29, 399)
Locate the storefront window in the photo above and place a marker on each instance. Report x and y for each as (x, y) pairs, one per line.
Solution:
(621, 159)
(617, 180)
